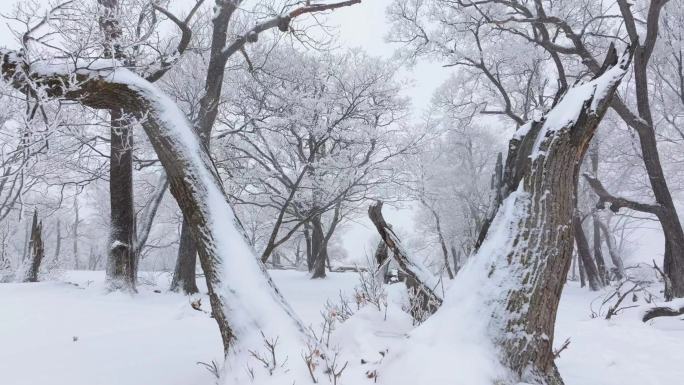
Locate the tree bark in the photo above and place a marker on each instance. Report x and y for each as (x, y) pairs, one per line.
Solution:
(208, 111)
(319, 249)
(584, 254)
(184, 273)
(121, 269)
(36, 249)
(642, 122)
(309, 248)
(121, 262)
(320, 240)
(524, 259)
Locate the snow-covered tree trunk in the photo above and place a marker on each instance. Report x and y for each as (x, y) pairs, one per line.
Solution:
(527, 252)
(245, 303)
(121, 260)
(502, 307)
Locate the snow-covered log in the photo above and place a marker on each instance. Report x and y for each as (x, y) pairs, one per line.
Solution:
(245, 303)
(502, 308)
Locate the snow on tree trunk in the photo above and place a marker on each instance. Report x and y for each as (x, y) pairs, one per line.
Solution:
(245, 302)
(502, 308)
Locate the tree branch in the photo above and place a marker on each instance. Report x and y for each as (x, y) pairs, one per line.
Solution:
(282, 23)
(616, 203)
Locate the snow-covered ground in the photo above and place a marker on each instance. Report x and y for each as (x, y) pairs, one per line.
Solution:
(69, 332)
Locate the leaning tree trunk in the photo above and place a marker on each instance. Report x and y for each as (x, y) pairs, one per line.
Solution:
(36, 249)
(514, 282)
(121, 262)
(245, 302)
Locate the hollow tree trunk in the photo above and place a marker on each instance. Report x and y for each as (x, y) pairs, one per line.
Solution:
(184, 273)
(121, 261)
(36, 249)
(522, 264)
(584, 253)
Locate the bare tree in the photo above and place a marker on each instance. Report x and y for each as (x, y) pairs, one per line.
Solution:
(244, 300)
(524, 259)
(477, 27)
